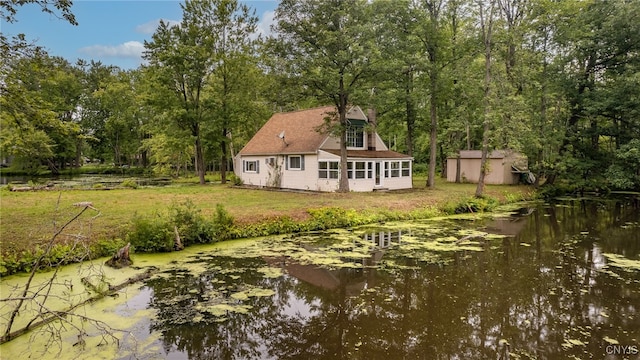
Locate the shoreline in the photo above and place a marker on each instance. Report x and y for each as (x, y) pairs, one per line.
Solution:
(252, 213)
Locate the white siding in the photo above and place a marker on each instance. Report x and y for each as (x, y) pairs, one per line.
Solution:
(331, 143)
(307, 179)
(398, 183)
(258, 178)
(302, 179)
(380, 144)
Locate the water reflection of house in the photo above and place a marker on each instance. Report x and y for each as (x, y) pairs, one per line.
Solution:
(381, 240)
(353, 279)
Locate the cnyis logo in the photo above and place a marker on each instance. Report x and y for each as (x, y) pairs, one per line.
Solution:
(622, 350)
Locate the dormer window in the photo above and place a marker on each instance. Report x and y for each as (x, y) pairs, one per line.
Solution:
(355, 136)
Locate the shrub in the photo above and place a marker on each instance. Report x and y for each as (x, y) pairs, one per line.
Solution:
(329, 218)
(471, 205)
(192, 226)
(153, 234)
(420, 169)
(549, 192)
(106, 247)
(129, 183)
(236, 180)
(222, 225)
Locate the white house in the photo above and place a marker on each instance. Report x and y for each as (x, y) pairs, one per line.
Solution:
(290, 151)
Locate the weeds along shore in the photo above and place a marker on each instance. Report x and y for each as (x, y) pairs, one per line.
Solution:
(154, 219)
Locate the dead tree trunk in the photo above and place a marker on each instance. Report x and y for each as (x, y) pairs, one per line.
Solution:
(121, 258)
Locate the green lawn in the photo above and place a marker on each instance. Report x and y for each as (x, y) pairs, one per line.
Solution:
(29, 218)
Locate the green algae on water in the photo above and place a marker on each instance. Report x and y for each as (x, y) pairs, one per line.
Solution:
(621, 262)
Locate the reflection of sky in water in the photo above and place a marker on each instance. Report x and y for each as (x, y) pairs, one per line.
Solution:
(299, 307)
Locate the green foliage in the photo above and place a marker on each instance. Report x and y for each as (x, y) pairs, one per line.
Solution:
(129, 183)
(624, 173)
(329, 218)
(472, 205)
(106, 247)
(192, 226)
(419, 169)
(157, 232)
(222, 224)
(151, 234)
(236, 180)
(58, 255)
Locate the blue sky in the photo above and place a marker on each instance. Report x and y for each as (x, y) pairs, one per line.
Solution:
(109, 31)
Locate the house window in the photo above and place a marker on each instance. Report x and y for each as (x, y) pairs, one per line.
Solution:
(295, 162)
(357, 170)
(328, 169)
(370, 170)
(406, 168)
(395, 168)
(355, 136)
(361, 169)
(251, 166)
(271, 161)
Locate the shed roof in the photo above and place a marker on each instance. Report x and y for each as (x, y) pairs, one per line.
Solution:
(477, 154)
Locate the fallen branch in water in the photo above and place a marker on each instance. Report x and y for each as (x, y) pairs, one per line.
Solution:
(61, 315)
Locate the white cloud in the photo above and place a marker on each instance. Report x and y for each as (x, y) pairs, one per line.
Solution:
(130, 49)
(151, 26)
(264, 26)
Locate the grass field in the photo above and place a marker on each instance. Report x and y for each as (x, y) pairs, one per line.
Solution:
(30, 218)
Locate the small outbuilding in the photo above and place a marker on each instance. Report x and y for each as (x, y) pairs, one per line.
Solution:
(504, 167)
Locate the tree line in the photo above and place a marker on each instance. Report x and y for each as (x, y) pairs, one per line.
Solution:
(556, 80)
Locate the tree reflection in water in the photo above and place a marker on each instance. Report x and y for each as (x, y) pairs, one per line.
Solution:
(545, 292)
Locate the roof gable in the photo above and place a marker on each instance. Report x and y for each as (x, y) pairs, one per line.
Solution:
(355, 113)
(293, 132)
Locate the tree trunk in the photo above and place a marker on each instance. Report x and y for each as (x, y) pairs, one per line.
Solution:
(343, 184)
(432, 49)
(78, 160)
(199, 159)
(223, 158)
(411, 113)
(486, 24)
(231, 150)
(344, 179)
(121, 258)
(433, 146)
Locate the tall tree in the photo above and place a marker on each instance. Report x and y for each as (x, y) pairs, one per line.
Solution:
(234, 74)
(330, 45)
(598, 60)
(39, 97)
(191, 55)
(486, 12)
(401, 63)
(432, 41)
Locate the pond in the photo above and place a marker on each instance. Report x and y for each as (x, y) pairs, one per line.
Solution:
(85, 181)
(547, 282)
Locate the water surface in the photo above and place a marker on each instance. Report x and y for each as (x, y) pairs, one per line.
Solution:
(548, 289)
(548, 282)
